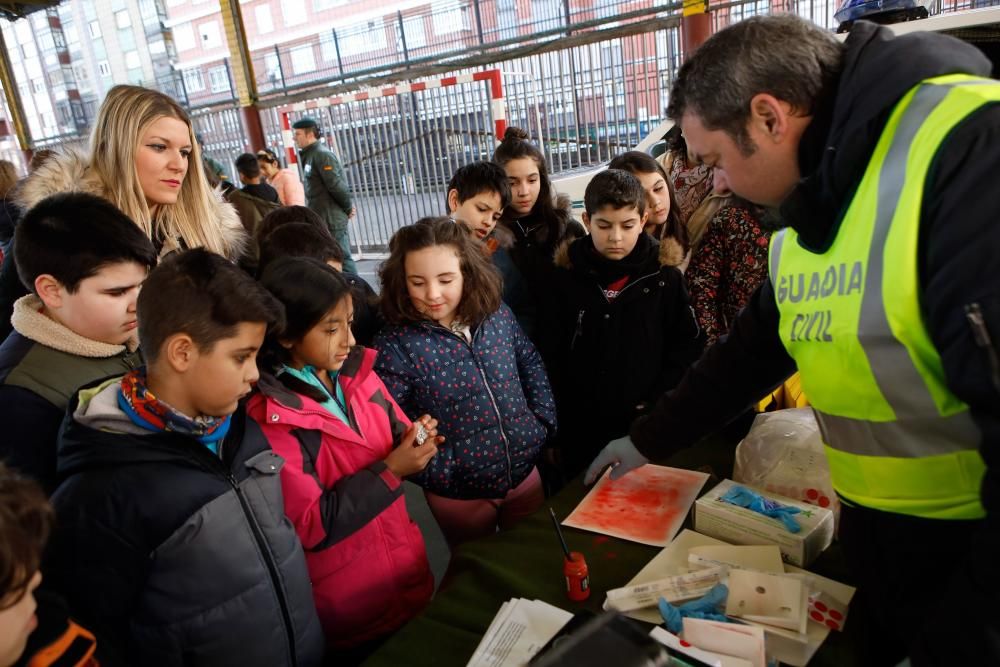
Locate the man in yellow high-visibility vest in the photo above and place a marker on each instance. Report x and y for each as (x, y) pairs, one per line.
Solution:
(881, 157)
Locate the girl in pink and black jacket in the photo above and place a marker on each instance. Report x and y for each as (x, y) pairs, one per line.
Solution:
(347, 447)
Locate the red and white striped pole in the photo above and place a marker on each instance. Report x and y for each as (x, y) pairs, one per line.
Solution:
(287, 139)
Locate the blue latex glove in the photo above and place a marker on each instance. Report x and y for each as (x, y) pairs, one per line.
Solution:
(744, 497)
(621, 454)
(711, 606)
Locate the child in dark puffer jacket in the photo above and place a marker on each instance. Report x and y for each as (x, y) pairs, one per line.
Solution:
(455, 351)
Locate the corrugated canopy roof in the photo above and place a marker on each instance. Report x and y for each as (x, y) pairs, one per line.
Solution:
(16, 10)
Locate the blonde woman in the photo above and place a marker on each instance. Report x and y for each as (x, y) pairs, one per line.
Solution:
(145, 160)
(286, 181)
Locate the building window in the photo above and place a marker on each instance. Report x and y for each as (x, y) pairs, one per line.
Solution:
(293, 12)
(303, 59)
(132, 60)
(449, 17)
(210, 38)
(362, 38)
(218, 79)
(158, 47)
(95, 29)
(183, 37)
(194, 82)
(104, 67)
(123, 20)
(265, 23)
(320, 5)
(413, 28)
(38, 85)
(72, 38)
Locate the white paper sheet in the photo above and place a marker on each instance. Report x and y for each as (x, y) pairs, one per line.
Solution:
(519, 630)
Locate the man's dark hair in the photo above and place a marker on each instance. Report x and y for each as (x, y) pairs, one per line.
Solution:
(471, 179)
(616, 188)
(287, 215)
(203, 295)
(783, 55)
(299, 239)
(248, 165)
(72, 236)
(25, 521)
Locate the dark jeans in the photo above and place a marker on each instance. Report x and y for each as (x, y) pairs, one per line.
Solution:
(908, 572)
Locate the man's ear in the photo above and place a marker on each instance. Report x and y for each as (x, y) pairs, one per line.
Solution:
(180, 352)
(769, 116)
(586, 221)
(452, 200)
(49, 290)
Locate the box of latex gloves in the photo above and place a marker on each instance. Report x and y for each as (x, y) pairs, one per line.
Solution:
(742, 514)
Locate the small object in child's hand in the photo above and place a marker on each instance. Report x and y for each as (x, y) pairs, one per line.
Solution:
(421, 436)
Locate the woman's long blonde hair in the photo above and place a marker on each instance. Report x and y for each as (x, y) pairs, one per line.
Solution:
(125, 115)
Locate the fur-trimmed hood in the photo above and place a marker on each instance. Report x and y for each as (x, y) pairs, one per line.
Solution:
(69, 171)
(671, 253)
(29, 321)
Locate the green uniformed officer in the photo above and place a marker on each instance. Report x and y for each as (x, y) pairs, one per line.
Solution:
(326, 188)
(879, 156)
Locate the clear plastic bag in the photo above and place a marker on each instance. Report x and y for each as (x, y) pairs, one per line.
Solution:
(783, 453)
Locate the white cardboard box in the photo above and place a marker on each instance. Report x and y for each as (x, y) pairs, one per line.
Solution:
(740, 525)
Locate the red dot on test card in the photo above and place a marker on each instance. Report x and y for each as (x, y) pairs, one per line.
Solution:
(819, 605)
(833, 625)
(818, 617)
(812, 494)
(836, 615)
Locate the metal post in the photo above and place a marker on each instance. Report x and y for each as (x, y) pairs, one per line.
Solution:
(281, 68)
(479, 21)
(696, 25)
(14, 106)
(566, 16)
(184, 91)
(239, 69)
(336, 47)
(402, 38)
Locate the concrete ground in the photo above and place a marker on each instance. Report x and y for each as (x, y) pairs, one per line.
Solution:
(437, 549)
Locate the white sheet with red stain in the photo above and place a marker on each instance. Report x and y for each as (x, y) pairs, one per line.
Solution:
(648, 505)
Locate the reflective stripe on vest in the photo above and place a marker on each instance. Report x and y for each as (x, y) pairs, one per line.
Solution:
(897, 438)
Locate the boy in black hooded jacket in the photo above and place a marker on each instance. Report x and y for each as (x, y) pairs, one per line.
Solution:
(624, 331)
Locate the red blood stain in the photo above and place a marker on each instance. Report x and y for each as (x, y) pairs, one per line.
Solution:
(601, 539)
(819, 605)
(685, 644)
(836, 614)
(643, 505)
(833, 625)
(818, 617)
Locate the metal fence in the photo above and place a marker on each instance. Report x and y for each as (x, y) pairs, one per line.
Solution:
(401, 39)
(582, 105)
(399, 150)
